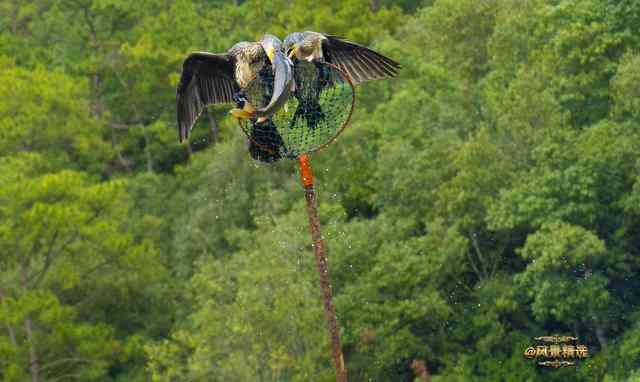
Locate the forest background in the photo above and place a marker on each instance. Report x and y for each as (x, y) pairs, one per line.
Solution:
(488, 195)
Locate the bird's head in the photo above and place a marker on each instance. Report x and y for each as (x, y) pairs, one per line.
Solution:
(292, 43)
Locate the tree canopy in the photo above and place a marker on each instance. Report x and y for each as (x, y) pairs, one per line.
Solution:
(488, 195)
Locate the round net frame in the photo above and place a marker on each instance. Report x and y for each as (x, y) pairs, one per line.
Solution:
(313, 116)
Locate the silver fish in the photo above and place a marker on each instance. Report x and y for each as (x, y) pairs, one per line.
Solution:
(283, 82)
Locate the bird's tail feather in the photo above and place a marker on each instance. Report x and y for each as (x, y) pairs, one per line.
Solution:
(265, 142)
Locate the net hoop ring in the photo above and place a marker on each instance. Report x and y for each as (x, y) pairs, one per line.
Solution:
(347, 79)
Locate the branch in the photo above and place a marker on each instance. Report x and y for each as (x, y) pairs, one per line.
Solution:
(48, 256)
(52, 255)
(92, 28)
(71, 376)
(126, 126)
(119, 126)
(473, 265)
(474, 241)
(95, 268)
(63, 360)
(49, 260)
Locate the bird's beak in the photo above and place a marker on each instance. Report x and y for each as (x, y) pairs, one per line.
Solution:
(293, 52)
(270, 53)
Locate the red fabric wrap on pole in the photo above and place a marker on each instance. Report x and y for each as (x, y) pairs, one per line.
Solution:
(305, 171)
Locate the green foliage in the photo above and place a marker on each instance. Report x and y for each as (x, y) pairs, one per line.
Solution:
(559, 276)
(66, 245)
(47, 112)
(489, 195)
(625, 89)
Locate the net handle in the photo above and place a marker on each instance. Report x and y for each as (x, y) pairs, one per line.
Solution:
(345, 76)
(322, 268)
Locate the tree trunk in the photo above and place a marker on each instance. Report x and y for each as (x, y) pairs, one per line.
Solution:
(33, 354)
(10, 329)
(420, 370)
(147, 151)
(14, 18)
(602, 339)
(215, 129)
(28, 327)
(189, 150)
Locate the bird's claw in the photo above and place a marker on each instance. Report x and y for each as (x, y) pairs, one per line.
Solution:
(241, 114)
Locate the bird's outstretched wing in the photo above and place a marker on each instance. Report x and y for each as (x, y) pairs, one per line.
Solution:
(207, 78)
(360, 63)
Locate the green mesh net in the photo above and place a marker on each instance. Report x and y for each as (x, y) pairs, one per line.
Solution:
(312, 118)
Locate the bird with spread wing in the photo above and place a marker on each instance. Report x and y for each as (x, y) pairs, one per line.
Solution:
(210, 78)
(356, 61)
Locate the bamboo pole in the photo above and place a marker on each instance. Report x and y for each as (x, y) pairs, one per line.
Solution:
(322, 268)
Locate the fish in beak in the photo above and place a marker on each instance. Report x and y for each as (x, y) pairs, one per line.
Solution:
(283, 83)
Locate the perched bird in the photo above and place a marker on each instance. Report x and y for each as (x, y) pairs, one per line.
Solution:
(265, 142)
(358, 62)
(279, 83)
(209, 78)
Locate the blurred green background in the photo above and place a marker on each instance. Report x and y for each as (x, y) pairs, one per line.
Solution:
(488, 195)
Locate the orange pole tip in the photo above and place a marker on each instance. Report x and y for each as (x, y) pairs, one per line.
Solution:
(305, 171)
